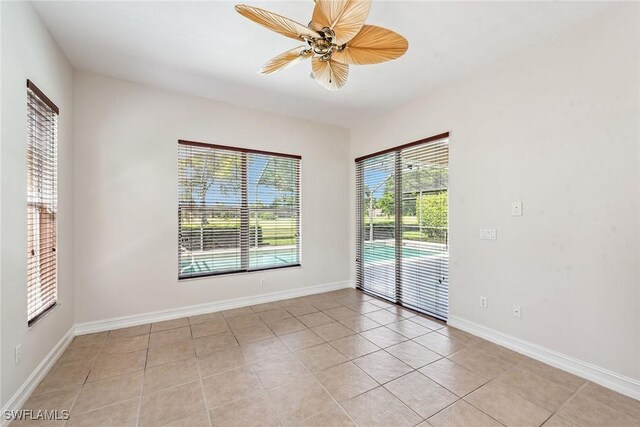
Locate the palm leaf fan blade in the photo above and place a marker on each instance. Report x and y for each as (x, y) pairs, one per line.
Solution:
(372, 45)
(344, 17)
(330, 74)
(275, 22)
(286, 60)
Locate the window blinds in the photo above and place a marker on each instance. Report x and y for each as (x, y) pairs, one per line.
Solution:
(42, 201)
(402, 225)
(239, 209)
(376, 243)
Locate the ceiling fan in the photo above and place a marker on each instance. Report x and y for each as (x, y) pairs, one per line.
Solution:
(335, 38)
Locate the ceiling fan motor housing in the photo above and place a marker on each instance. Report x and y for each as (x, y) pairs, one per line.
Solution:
(321, 46)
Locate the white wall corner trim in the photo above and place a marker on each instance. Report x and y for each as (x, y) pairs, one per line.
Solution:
(620, 383)
(211, 307)
(20, 397)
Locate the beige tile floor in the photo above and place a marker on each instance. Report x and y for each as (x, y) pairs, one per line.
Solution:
(335, 359)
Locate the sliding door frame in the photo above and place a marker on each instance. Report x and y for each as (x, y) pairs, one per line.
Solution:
(398, 225)
(397, 189)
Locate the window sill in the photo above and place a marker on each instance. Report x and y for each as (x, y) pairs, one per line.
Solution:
(238, 272)
(42, 315)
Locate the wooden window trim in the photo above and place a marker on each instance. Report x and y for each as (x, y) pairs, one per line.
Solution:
(403, 146)
(44, 98)
(242, 150)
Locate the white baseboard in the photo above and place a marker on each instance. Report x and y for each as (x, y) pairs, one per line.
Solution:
(20, 397)
(620, 383)
(157, 316)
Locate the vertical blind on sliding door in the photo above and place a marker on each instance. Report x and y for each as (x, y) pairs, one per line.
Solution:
(402, 225)
(376, 228)
(239, 209)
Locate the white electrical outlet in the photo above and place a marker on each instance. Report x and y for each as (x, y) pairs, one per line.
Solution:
(488, 234)
(263, 282)
(517, 311)
(516, 209)
(483, 302)
(18, 353)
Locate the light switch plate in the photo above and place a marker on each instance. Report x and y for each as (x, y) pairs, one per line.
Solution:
(483, 302)
(488, 234)
(516, 209)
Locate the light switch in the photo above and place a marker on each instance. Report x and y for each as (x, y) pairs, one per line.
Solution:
(483, 302)
(488, 234)
(516, 209)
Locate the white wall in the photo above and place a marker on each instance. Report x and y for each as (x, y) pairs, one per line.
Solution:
(1, 74)
(29, 52)
(557, 127)
(126, 196)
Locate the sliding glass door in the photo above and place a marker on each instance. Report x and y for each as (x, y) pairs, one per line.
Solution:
(377, 231)
(402, 225)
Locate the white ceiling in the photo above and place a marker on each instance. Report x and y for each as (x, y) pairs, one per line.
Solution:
(207, 49)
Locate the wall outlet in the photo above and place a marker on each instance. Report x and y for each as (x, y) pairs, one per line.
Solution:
(517, 311)
(488, 234)
(263, 282)
(18, 353)
(516, 209)
(483, 302)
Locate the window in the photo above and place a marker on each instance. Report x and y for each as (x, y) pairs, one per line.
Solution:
(42, 203)
(402, 251)
(238, 210)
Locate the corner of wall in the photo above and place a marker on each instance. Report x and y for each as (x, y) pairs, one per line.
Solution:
(30, 52)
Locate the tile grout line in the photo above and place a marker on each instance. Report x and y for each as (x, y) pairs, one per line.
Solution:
(378, 385)
(176, 385)
(479, 409)
(332, 398)
(575, 393)
(516, 392)
(144, 372)
(458, 398)
(204, 395)
(115, 376)
(146, 366)
(492, 380)
(443, 409)
(379, 349)
(93, 362)
(310, 374)
(277, 414)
